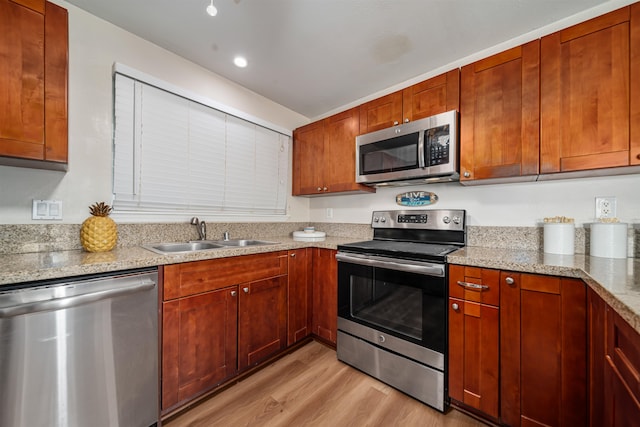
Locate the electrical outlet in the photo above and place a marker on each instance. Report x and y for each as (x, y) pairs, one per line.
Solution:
(605, 207)
(329, 213)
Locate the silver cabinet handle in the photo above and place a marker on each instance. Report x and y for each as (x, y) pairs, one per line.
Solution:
(509, 280)
(396, 123)
(467, 174)
(293, 255)
(319, 188)
(381, 338)
(325, 189)
(473, 286)
(246, 290)
(406, 120)
(455, 306)
(233, 293)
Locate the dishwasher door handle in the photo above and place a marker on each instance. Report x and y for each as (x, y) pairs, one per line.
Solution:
(72, 301)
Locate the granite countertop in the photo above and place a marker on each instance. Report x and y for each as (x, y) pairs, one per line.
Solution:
(34, 266)
(617, 281)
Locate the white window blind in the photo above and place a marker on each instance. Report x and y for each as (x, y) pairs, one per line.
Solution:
(172, 154)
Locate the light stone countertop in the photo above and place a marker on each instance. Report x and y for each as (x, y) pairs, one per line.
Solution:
(617, 281)
(34, 266)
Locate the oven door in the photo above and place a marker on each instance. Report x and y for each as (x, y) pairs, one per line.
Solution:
(402, 299)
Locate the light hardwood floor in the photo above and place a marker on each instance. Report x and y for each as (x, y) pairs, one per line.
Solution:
(310, 387)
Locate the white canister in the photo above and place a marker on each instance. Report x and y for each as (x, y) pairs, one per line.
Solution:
(609, 240)
(559, 238)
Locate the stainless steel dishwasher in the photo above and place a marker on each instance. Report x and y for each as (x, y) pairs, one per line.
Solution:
(80, 352)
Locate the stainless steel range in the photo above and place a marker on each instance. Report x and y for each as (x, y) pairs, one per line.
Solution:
(392, 300)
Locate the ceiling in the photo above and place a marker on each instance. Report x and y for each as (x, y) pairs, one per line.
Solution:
(314, 56)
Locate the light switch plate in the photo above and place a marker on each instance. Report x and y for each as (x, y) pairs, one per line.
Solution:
(47, 209)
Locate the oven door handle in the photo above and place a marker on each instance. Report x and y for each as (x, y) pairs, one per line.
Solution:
(427, 269)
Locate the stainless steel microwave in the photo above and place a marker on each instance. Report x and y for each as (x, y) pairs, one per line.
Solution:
(422, 151)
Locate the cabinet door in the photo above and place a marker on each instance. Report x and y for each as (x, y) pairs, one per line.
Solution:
(300, 300)
(325, 294)
(596, 318)
(381, 113)
(340, 133)
(585, 95)
(21, 81)
(262, 320)
(473, 355)
(434, 96)
(543, 351)
(308, 159)
(198, 344)
(33, 77)
(500, 115)
(622, 372)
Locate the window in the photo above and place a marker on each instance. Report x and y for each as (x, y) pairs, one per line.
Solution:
(173, 154)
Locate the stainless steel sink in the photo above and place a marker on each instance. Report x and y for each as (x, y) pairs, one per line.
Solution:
(243, 242)
(182, 247)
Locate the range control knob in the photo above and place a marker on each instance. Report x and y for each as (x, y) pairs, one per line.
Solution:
(446, 220)
(383, 219)
(376, 219)
(456, 220)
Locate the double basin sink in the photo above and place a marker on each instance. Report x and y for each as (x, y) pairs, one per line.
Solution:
(203, 245)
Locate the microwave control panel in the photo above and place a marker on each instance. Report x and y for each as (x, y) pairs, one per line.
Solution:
(437, 143)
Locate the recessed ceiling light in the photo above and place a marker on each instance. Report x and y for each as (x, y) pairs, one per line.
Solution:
(212, 10)
(240, 61)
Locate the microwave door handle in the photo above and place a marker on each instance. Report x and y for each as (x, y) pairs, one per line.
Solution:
(421, 148)
(427, 269)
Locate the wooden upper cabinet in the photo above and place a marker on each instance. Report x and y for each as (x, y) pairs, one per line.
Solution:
(308, 151)
(590, 90)
(33, 80)
(324, 156)
(500, 115)
(434, 96)
(381, 113)
(430, 97)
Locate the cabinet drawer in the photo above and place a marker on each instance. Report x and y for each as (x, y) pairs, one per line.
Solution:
(474, 284)
(623, 351)
(201, 276)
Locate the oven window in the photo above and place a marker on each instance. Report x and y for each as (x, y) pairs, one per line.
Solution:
(395, 154)
(408, 305)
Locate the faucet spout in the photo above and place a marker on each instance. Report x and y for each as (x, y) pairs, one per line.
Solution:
(201, 226)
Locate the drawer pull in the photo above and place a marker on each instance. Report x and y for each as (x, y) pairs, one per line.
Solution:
(474, 286)
(509, 280)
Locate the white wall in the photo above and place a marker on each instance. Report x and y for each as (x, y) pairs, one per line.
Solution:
(94, 45)
(513, 204)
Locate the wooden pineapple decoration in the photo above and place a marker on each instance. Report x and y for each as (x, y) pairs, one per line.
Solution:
(99, 232)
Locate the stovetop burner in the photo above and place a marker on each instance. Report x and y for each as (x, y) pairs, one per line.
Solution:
(415, 234)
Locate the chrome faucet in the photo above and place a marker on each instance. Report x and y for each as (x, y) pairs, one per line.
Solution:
(225, 236)
(201, 227)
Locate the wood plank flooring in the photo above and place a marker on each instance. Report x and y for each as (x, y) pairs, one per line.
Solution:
(310, 387)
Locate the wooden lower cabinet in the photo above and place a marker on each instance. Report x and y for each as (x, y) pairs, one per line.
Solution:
(325, 295)
(299, 295)
(198, 344)
(219, 317)
(614, 367)
(473, 338)
(543, 357)
(518, 347)
(621, 372)
(262, 320)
